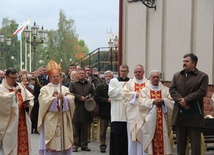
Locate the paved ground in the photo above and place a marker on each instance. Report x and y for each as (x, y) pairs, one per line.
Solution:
(93, 145)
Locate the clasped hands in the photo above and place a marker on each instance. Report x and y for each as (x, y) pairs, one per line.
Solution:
(58, 95)
(183, 103)
(84, 98)
(158, 101)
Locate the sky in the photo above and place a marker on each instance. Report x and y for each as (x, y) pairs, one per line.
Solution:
(93, 19)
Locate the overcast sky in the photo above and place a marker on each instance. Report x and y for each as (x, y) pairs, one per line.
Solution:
(93, 18)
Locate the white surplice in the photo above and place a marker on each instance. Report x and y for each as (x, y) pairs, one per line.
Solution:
(134, 117)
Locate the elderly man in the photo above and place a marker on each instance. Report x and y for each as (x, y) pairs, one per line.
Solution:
(118, 133)
(55, 115)
(130, 95)
(157, 104)
(14, 117)
(74, 76)
(104, 102)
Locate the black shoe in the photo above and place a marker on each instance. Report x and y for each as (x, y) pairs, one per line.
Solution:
(102, 150)
(75, 150)
(85, 149)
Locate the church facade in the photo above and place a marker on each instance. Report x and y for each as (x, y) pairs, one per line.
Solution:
(158, 38)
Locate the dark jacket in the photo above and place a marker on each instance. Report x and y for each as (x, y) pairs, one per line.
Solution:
(79, 89)
(42, 81)
(95, 80)
(101, 98)
(66, 81)
(192, 88)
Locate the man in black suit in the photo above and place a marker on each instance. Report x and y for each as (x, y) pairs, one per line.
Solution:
(43, 79)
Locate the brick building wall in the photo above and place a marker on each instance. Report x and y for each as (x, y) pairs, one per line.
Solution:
(208, 105)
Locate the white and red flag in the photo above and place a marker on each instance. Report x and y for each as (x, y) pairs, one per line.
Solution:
(21, 28)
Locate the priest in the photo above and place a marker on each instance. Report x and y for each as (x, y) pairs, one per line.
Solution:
(15, 128)
(156, 127)
(130, 93)
(55, 115)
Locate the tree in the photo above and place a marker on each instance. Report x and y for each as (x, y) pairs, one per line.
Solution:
(59, 44)
(63, 43)
(8, 27)
(83, 46)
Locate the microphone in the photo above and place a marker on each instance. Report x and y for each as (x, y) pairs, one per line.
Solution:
(15, 85)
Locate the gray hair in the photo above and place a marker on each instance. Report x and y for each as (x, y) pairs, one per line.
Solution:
(107, 72)
(154, 71)
(139, 65)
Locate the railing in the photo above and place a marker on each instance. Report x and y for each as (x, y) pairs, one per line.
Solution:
(103, 58)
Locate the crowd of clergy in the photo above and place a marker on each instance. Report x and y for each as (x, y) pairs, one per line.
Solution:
(62, 106)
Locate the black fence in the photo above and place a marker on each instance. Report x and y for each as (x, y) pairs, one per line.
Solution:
(103, 58)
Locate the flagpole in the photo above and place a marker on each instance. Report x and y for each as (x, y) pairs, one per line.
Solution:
(20, 54)
(18, 32)
(26, 56)
(30, 54)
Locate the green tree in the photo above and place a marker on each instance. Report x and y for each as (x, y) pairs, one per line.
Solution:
(7, 29)
(63, 43)
(84, 47)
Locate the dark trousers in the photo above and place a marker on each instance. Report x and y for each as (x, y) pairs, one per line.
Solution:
(194, 134)
(103, 129)
(80, 133)
(118, 138)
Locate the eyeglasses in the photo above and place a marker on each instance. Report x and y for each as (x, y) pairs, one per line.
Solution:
(138, 72)
(123, 71)
(13, 78)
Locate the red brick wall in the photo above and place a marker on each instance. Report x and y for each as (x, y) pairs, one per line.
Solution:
(208, 107)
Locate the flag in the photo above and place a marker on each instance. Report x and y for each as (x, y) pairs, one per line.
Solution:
(19, 35)
(21, 28)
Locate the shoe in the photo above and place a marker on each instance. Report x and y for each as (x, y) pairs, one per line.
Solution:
(85, 149)
(102, 150)
(74, 150)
